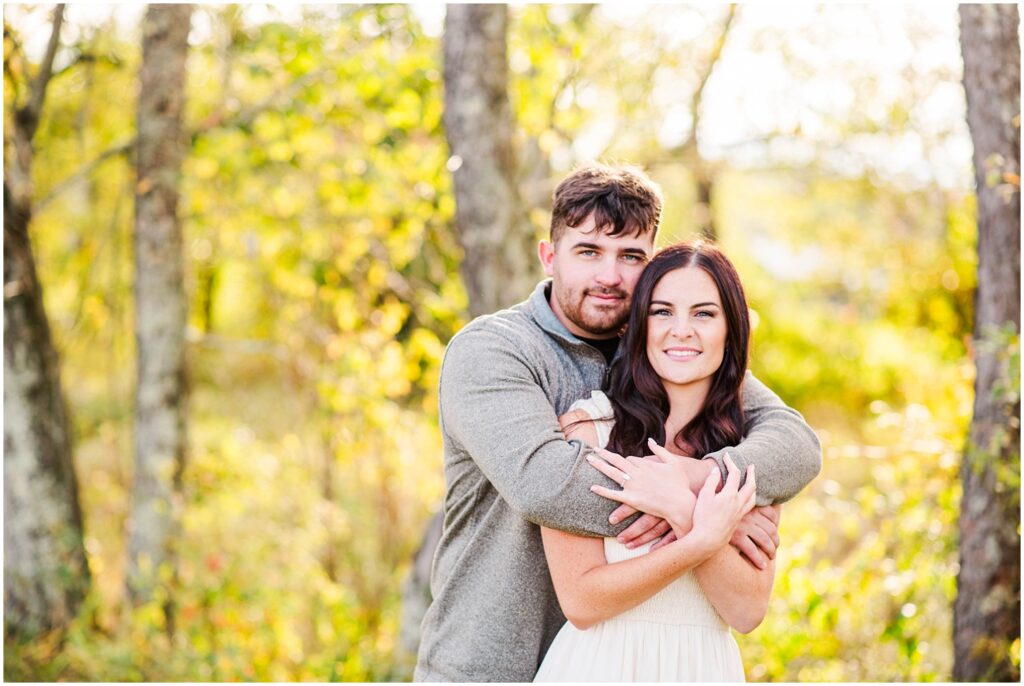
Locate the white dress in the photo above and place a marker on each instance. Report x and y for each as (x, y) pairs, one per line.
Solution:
(675, 635)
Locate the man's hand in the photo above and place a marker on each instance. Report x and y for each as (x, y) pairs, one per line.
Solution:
(665, 540)
(757, 535)
(645, 529)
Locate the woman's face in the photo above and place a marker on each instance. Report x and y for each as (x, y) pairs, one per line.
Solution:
(686, 328)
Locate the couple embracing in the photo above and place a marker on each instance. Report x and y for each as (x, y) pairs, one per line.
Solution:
(609, 460)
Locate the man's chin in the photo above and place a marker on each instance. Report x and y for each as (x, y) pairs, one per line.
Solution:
(602, 326)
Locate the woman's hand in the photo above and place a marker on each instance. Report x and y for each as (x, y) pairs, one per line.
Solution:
(716, 515)
(657, 487)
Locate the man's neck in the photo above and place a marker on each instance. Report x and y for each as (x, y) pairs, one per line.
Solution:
(606, 346)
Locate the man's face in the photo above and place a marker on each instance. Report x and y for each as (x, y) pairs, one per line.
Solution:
(594, 275)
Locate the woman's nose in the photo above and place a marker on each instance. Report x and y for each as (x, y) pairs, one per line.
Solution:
(682, 327)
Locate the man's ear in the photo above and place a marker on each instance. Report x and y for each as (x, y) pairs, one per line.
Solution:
(546, 253)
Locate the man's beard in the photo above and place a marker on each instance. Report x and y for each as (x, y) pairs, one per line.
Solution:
(595, 320)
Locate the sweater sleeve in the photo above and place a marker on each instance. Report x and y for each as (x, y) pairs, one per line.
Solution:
(493, 408)
(784, 449)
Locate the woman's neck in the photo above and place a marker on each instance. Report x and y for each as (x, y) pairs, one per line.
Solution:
(685, 403)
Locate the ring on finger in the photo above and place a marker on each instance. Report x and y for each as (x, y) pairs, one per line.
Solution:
(625, 478)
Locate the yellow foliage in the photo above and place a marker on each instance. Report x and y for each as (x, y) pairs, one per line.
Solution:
(322, 268)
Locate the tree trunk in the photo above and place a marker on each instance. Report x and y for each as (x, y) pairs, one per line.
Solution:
(705, 215)
(703, 172)
(46, 574)
(499, 266)
(987, 608)
(160, 304)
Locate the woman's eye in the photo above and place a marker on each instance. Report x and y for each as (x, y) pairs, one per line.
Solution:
(705, 313)
(660, 312)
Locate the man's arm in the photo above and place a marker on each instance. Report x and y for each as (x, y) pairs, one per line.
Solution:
(492, 405)
(779, 442)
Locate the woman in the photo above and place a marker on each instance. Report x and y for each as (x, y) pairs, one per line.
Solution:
(664, 614)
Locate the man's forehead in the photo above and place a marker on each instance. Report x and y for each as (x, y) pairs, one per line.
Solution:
(626, 240)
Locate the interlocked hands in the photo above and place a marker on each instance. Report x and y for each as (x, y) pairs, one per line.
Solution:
(661, 488)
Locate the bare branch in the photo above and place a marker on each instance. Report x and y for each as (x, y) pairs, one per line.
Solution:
(690, 143)
(247, 346)
(17, 57)
(30, 113)
(57, 188)
(89, 58)
(622, 122)
(241, 118)
(581, 19)
(248, 115)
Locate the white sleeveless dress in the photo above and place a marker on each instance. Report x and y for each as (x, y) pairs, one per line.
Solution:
(675, 635)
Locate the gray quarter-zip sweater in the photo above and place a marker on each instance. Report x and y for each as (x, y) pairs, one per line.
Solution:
(505, 380)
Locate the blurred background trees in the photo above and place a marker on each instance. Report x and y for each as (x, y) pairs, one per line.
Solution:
(341, 213)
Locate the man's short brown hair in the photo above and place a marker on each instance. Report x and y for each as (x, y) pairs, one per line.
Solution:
(621, 198)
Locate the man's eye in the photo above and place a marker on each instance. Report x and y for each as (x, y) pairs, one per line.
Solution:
(633, 258)
(588, 253)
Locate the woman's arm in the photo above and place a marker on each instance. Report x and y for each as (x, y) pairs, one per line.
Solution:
(590, 590)
(738, 590)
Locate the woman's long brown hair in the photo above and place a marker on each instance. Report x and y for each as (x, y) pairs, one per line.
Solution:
(638, 398)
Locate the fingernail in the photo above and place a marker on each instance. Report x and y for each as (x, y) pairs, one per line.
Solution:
(613, 520)
(594, 488)
(590, 458)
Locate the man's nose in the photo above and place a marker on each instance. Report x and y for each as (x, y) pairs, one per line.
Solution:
(609, 275)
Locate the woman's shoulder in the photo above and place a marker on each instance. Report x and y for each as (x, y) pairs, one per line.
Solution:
(590, 419)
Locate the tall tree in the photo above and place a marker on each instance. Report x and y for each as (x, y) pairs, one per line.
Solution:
(499, 264)
(689, 152)
(987, 608)
(160, 303)
(46, 574)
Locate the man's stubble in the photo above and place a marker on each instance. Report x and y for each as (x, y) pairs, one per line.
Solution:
(596, 320)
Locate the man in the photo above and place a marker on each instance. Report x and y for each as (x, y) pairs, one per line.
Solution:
(505, 380)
